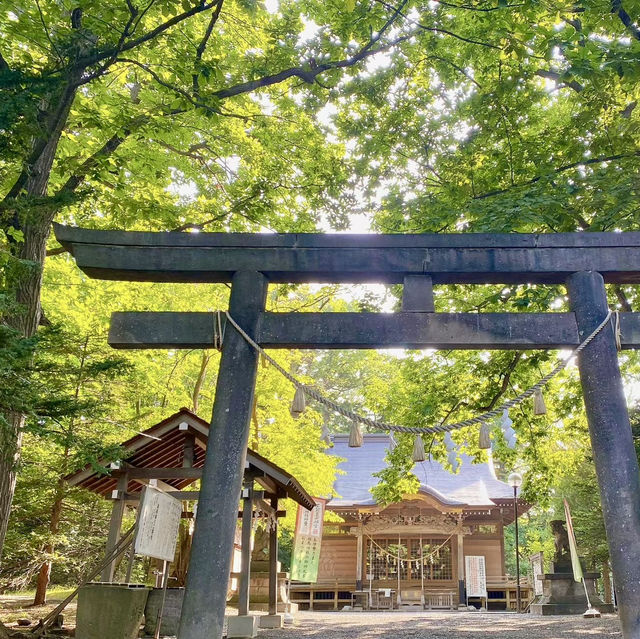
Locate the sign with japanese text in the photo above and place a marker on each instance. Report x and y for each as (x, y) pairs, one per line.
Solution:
(158, 523)
(476, 576)
(537, 568)
(306, 544)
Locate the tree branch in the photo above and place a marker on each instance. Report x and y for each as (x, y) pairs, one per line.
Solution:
(557, 77)
(309, 74)
(203, 45)
(154, 33)
(616, 7)
(107, 149)
(59, 250)
(560, 169)
(506, 378)
(424, 27)
(470, 7)
(622, 298)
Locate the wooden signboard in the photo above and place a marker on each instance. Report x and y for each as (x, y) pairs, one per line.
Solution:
(537, 568)
(476, 576)
(157, 526)
(306, 545)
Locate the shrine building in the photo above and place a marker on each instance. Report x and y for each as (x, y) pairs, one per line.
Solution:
(413, 551)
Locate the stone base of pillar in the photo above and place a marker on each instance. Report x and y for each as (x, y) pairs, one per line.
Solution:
(271, 621)
(564, 596)
(243, 627)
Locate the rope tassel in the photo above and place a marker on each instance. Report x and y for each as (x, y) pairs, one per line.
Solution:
(418, 454)
(355, 435)
(326, 435)
(299, 403)
(539, 407)
(438, 428)
(485, 436)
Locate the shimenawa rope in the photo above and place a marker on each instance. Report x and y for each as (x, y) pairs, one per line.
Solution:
(439, 428)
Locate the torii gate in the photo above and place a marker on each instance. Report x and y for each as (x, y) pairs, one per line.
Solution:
(581, 261)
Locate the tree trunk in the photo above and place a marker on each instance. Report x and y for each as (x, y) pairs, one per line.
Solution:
(606, 582)
(27, 283)
(195, 400)
(54, 525)
(10, 442)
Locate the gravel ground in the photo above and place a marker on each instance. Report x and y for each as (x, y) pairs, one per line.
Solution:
(433, 625)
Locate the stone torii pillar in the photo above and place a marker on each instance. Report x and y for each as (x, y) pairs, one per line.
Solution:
(612, 444)
(206, 593)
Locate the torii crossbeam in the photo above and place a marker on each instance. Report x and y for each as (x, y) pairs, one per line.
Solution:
(581, 261)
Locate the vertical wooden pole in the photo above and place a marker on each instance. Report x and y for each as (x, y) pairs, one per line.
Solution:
(461, 586)
(115, 525)
(188, 450)
(273, 562)
(245, 557)
(207, 580)
(612, 443)
(359, 558)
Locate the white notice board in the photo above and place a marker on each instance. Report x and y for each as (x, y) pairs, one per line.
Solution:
(158, 522)
(476, 576)
(537, 568)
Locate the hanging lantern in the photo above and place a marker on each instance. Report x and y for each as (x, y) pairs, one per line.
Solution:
(299, 403)
(326, 435)
(485, 436)
(539, 407)
(355, 435)
(418, 454)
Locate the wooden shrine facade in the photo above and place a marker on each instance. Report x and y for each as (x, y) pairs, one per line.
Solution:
(170, 456)
(583, 262)
(414, 548)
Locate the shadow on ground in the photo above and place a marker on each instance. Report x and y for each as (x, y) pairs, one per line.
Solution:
(350, 625)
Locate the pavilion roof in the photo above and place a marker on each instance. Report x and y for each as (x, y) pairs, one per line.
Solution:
(475, 485)
(162, 446)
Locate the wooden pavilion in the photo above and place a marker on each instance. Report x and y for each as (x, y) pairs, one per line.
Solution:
(170, 455)
(416, 548)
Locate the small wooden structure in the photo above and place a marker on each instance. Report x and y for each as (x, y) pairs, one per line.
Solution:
(171, 456)
(411, 553)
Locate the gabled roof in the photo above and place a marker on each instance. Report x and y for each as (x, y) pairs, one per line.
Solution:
(162, 445)
(474, 484)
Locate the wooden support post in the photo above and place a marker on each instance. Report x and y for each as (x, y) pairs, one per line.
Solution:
(612, 443)
(273, 561)
(206, 593)
(417, 294)
(359, 559)
(188, 450)
(115, 525)
(245, 551)
(461, 585)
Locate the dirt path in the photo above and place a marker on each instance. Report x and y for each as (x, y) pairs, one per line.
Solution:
(463, 625)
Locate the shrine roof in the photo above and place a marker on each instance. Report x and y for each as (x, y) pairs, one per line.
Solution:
(162, 446)
(473, 485)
